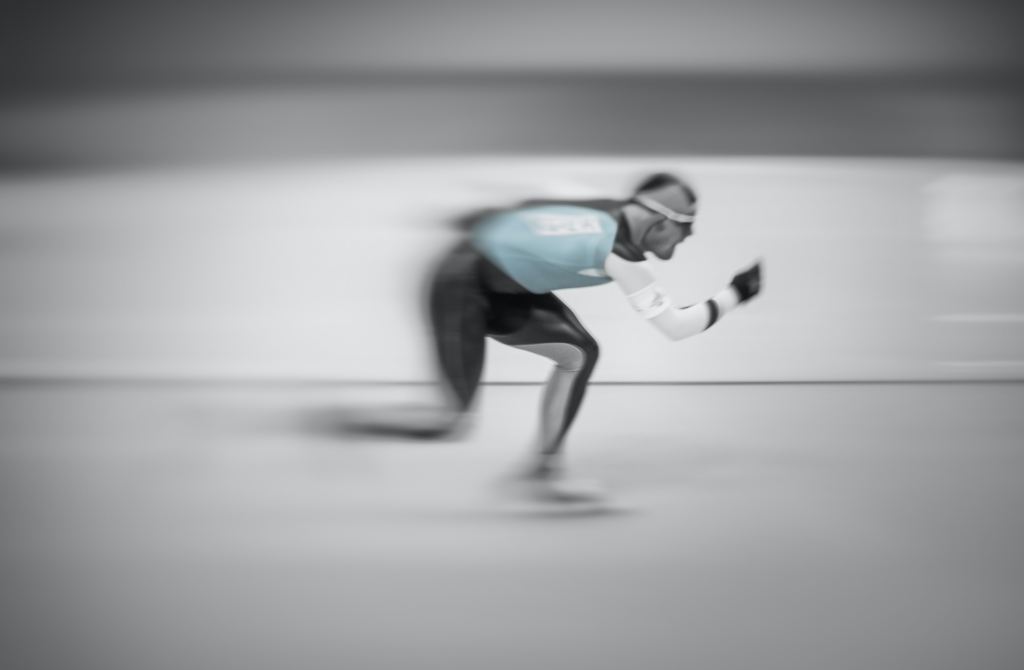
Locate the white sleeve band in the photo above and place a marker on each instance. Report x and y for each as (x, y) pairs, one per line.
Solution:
(727, 299)
(650, 301)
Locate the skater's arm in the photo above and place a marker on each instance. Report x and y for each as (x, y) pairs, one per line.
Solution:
(652, 301)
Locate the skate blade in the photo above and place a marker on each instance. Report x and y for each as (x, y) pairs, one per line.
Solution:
(547, 499)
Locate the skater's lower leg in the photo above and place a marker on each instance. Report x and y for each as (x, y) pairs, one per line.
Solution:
(561, 401)
(554, 422)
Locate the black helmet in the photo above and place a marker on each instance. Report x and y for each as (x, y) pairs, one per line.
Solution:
(667, 195)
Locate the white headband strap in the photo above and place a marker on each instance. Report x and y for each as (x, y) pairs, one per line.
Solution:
(659, 208)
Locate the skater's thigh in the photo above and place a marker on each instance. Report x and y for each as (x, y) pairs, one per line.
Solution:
(536, 319)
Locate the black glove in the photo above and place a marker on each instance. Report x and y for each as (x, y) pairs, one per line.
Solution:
(748, 282)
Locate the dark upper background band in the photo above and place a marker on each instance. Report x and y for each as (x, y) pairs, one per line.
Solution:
(113, 82)
(142, 122)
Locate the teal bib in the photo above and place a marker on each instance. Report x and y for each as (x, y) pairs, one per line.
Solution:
(549, 247)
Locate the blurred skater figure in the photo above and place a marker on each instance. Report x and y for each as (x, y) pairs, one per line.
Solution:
(498, 282)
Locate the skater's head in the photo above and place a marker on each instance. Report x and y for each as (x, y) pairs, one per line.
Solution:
(661, 215)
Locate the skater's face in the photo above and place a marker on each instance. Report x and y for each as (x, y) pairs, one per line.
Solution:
(662, 238)
(671, 210)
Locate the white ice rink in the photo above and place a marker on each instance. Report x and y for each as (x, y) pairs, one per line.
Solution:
(789, 527)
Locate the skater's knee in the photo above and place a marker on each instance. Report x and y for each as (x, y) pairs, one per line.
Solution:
(591, 350)
(579, 355)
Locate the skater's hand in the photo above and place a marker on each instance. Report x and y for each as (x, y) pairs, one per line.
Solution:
(748, 282)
